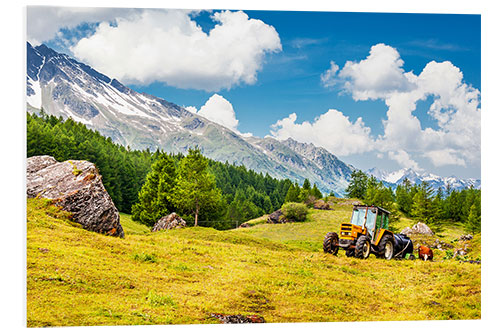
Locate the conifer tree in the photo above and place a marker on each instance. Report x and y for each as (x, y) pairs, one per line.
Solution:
(293, 194)
(315, 192)
(195, 189)
(357, 185)
(473, 223)
(155, 196)
(403, 196)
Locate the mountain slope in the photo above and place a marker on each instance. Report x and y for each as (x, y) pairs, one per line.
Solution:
(65, 87)
(393, 179)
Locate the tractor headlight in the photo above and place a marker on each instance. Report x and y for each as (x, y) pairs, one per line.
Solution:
(344, 233)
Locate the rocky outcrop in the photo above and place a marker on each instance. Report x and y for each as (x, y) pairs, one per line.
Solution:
(171, 221)
(419, 228)
(440, 245)
(321, 204)
(277, 217)
(244, 225)
(76, 187)
(467, 237)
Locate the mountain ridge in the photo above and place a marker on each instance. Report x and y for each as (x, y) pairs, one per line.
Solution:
(395, 178)
(68, 88)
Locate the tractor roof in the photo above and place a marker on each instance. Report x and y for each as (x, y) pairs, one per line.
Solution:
(376, 207)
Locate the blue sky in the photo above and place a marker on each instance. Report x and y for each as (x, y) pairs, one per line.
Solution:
(378, 61)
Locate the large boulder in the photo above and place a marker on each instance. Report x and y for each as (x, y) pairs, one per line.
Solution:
(321, 204)
(419, 228)
(76, 187)
(277, 217)
(172, 221)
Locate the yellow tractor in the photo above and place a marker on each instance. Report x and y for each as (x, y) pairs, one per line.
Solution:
(368, 233)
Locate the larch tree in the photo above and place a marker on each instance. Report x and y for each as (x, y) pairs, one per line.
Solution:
(195, 189)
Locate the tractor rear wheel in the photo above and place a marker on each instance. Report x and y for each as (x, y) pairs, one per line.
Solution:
(387, 247)
(331, 243)
(363, 247)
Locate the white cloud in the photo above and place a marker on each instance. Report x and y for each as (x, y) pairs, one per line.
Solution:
(168, 46)
(191, 109)
(403, 159)
(220, 111)
(328, 78)
(44, 22)
(454, 139)
(377, 76)
(331, 130)
(444, 157)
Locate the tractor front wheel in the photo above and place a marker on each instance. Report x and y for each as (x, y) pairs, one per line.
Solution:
(331, 243)
(363, 247)
(387, 247)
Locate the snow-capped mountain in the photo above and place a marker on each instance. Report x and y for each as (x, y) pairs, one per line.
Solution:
(65, 87)
(395, 178)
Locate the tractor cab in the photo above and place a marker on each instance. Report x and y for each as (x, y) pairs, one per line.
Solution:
(367, 233)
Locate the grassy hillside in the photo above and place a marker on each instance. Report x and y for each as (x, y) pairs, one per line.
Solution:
(76, 277)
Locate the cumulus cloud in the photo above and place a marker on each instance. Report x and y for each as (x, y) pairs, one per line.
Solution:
(45, 22)
(331, 130)
(169, 47)
(220, 111)
(403, 159)
(442, 157)
(377, 76)
(454, 139)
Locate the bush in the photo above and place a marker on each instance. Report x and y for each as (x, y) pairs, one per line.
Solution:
(294, 211)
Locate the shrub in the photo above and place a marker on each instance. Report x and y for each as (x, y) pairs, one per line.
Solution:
(294, 211)
(145, 257)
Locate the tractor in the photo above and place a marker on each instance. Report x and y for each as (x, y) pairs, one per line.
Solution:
(368, 233)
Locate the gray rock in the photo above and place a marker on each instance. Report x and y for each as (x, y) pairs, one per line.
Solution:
(321, 204)
(467, 237)
(440, 245)
(419, 228)
(76, 187)
(277, 217)
(172, 221)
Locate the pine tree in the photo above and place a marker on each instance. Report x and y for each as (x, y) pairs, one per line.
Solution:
(307, 185)
(155, 196)
(195, 189)
(473, 223)
(293, 194)
(423, 207)
(357, 185)
(315, 192)
(403, 196)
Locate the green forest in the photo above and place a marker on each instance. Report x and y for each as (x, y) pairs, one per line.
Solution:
(420, 201)
(241, 194)
(208, 193)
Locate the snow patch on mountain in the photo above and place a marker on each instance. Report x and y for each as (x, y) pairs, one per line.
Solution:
(397, 177)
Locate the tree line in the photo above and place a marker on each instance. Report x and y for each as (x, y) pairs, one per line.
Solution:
(244, 194)
(421, 201)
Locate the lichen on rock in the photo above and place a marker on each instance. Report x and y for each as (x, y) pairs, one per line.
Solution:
(81, 193)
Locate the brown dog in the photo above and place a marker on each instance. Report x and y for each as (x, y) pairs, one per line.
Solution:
(424, 253)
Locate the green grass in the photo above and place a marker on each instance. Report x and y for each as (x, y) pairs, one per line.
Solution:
(78, 278)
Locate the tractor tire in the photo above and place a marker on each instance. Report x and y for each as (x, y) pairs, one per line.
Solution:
(331, 243)
(349, 253)
(386, 247)
(363, 247)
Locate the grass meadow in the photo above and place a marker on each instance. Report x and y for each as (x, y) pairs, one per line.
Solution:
(79, 278)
